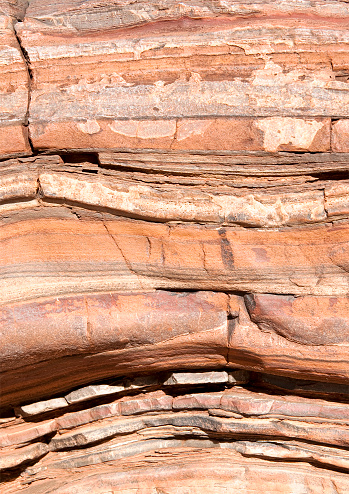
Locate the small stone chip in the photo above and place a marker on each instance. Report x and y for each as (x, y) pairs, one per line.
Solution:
(213, 377)
(89, 392)
(42, 406)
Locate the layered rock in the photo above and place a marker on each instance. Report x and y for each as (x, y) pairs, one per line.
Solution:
(174, 311)
(14, 90)
(187, 76)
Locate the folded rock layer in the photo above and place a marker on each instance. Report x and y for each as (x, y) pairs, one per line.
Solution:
(174, 182)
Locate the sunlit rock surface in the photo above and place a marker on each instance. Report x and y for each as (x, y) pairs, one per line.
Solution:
(174, 247)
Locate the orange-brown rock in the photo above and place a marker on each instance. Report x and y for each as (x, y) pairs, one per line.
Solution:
(305, 320)
(156, 331)
(53, 252)
(174, 256)
(14, 93)
(159, 331)
(179, 82)
(340, 135)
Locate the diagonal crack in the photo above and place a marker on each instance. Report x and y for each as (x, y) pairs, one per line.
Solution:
(30, 76)
(127, 262)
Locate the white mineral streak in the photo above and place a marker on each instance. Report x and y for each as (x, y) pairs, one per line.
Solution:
(89, 127)
(252, 40)
(147, 129)
(259, 210)
(297, 132)
(192, 127)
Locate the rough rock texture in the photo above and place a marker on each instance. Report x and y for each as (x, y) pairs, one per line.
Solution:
(14, 92)
(174, 247)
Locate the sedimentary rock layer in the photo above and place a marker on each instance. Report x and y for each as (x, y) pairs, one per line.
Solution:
(163, 331)
(233, 190)
(194, 469)
(203, 75)
(55, 252)
(245, 59)
(14, 93)
(134, 426)
(174, 311)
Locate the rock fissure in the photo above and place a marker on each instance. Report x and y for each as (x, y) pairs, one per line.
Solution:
(26, 60)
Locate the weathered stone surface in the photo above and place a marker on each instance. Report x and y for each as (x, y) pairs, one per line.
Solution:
(188, 204)
(107, 322)
(23, 455)
(340, 135)
(221, 343)
(154, 331)
(253, 413)
(85, 255)
(224, 165)
(151, 88)
(196, 471)
(244, 412)
(214, 377)
(43, 406)
(305, 320)
(14, 93)
(92, 391)
(174, 279)
(275, 352)
(22, 433)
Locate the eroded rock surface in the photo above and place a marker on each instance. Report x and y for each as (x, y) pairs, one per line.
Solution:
(174, 256)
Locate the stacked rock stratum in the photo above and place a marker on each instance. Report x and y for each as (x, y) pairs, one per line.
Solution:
(174, 247)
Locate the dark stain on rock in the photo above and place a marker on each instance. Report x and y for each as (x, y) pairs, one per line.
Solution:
(250, 303)
(261, 254)
(226, 250)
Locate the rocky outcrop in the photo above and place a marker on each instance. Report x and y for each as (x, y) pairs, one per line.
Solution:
(174, 311)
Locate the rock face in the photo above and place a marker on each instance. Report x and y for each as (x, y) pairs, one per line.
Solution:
(174, 247)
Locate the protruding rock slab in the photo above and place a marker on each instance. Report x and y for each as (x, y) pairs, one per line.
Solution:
(43, 406)
(253, 207)
(157, 330)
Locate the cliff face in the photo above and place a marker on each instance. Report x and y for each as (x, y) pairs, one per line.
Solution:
(174, 247)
